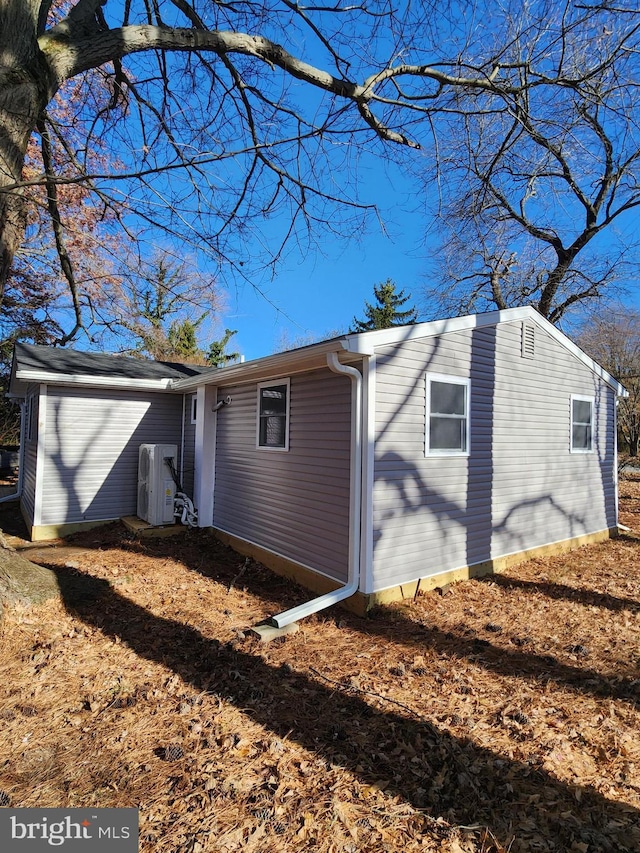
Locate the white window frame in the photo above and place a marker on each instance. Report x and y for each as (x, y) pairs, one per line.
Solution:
(274, 383)
(194, 408)
(450, 380)
(583, 399)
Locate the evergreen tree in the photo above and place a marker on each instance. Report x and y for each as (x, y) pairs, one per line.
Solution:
(217, 357)
(386, 313)
(183, 340)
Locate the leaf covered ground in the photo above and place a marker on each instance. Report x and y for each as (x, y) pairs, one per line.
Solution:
(498, 715)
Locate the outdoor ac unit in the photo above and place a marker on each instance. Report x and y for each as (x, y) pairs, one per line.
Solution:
(156, 486)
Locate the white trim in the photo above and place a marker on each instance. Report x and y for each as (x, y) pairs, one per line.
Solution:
(213, 451)
(616, 484)
(182, 431)
(269, 367)
(194, 408)
(583, 399)
(366, 342)
(203, 475)
(368, 473)
(86, 380)
(40, 456)
(311, 357)
(276, 383)
(448, 380)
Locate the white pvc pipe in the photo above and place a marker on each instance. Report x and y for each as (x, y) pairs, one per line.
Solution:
(355, 501)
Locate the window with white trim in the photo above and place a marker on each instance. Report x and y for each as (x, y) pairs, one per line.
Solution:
(194, 408)
(273, 415)
(447, 427)
(581, 424)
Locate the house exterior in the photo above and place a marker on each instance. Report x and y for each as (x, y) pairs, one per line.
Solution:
(383, 461)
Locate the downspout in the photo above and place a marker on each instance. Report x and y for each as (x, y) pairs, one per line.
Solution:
(355, 503)
(14, 496)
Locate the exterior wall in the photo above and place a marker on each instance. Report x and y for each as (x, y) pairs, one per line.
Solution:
(295, 502)
(188, 446)
(27, 501)
(91, 440)
(519, 488)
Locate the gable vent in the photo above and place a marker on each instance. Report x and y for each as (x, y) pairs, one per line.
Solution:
(528, 340)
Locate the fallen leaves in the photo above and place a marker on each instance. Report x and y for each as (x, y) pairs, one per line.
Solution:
(500, 717)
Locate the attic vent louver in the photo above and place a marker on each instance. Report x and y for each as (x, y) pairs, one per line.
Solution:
(528, 340)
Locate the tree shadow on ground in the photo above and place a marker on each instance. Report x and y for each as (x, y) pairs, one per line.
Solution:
(564, 592)
(428, 768)
(462, 642)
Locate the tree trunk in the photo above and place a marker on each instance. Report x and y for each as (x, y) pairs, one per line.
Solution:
(25, 90)
(23, 582)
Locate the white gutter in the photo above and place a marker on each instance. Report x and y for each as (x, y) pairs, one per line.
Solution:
(14, 496)
(355, 503)
(78, 379)
(267, 367)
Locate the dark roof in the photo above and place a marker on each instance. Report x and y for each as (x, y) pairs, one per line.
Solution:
(69, 362)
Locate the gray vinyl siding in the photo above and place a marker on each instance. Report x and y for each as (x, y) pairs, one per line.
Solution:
(91, 442)
(293, 502)
(189, 445)
(519, 488)
(27, 501)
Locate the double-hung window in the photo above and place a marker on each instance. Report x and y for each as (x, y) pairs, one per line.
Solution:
(581, 424)
(447, 427)
(273, 415)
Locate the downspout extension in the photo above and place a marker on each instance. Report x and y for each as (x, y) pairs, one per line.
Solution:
(355, 501)
(14, 496)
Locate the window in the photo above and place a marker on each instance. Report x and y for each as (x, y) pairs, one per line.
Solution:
(447, 430)
(273, 415)
(30, 417)
(194, 408)
(581, 424)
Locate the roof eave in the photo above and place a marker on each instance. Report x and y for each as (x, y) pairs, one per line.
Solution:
(41, 377)
(270, 366)
(368, 342)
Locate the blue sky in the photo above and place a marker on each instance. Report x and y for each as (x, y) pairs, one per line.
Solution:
(316, 293)
(319, 293)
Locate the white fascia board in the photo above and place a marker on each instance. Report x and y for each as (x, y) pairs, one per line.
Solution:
(575, 350)
(366, 343)
(268, 367)
(80, 380)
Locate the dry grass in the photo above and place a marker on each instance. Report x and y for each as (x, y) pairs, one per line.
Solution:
(501, 715)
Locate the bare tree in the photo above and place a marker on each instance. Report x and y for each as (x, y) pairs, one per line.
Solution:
(214, 127)
(538, 181)
(613, 339)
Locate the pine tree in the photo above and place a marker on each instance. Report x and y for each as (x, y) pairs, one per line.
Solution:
(386, 313)
(183, 340)
(217, 357)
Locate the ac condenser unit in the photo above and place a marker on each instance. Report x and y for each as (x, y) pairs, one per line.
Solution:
(156, 487)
